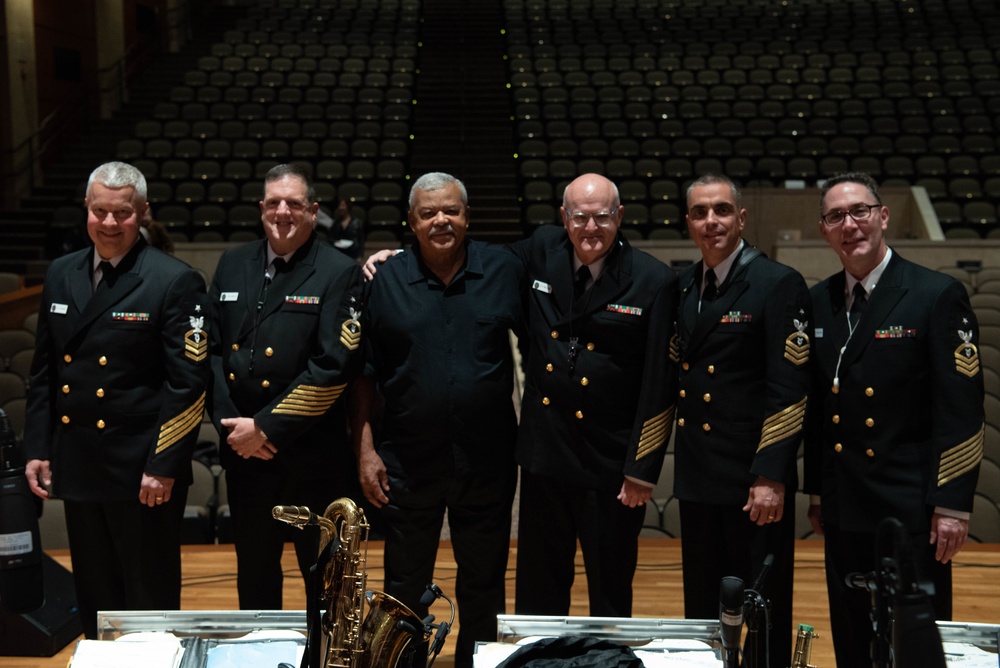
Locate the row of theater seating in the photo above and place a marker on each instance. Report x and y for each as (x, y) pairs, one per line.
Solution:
(655, 89)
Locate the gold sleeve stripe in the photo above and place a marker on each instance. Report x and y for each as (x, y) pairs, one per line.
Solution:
(655, 432)
(962, 458)
(783, 424)
(309, 400)
(177, 428)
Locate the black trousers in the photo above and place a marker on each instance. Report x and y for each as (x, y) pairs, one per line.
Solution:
(850, 552)
(479, 510)
(125, 556)
(260, 539)
(719, 541)
(553, 515)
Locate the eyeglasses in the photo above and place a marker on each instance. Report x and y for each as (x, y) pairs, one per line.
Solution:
(601, 218)
(859, 212)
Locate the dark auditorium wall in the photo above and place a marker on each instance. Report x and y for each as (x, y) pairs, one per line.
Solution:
(66, 51)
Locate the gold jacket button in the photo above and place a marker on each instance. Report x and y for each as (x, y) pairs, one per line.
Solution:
(707, 397)
(548, 367)
(685, 366)
(546, 401)
(680, 422)
(584, 381)
(683, 393)
(65, 389)
(236, 347)
(100, 393)
(579, 415)
(706, 427)
(67, 358)
(100, 424)
(870, 452)
(590, 347)
(869, 422)
(103, 361)
(265, 383)
(838, 447)
(869, 392)
(65, 419)
(711, 368)
(836, 419)
(554, 334)
(232, 376)
(268, 351)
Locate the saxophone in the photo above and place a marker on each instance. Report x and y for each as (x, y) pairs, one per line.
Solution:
(348, 638)
(803, 646)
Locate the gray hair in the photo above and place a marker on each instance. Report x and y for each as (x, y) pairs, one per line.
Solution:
(713, 179)
(118, 175)
(296, 170)
(437, 181)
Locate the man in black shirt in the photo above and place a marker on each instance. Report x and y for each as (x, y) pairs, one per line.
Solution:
(438, 352)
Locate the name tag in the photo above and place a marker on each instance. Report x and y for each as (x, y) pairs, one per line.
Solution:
(61, 309)
(818, 333)
(229, 296)
(541, 287)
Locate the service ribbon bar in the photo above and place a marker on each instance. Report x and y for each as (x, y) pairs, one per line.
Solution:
(296, 299)
(621, 308)
(129, 317)
(896, 332)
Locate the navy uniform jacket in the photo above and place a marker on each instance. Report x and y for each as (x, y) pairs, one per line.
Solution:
(744, 380)
(306, 347)
(118, 378)
(903, 433)
(611, 416)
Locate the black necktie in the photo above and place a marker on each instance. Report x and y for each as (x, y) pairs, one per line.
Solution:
(280, 265)
(858, 304)
(711, 290)
(107, 275)
(581, 280)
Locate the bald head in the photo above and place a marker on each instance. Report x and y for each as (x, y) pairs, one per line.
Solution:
(591, 214)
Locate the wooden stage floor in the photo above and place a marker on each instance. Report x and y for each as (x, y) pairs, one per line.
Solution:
(210, 584)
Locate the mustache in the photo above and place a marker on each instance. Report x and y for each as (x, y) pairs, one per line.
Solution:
(442, 229)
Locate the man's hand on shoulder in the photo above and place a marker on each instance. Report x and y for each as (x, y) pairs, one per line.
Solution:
(376, 259)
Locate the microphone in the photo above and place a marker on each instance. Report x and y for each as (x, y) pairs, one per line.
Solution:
(431, 594)
(863, 581)
(21, 585)
(730, 619)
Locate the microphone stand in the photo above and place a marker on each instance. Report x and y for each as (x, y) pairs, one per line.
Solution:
(757, 609)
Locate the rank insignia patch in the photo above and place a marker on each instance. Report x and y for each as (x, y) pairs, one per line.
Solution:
(195, 341)
(675, 349)
(350, 331)
(797, 344)
(966, 355)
